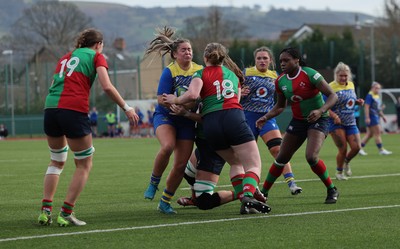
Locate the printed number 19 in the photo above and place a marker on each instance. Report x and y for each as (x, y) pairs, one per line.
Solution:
(71, 65)
(227, 89)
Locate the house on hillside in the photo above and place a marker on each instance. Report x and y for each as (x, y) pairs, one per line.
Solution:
(359, 34)
(305, 30)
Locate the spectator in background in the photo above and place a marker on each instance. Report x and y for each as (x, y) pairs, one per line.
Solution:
(93, 116)
(119, 130)
(111, 120)
(373, 113)
(3, 131)
(150, 114)
(137, 129)
(398, 114)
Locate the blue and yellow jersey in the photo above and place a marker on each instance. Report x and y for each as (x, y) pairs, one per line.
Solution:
(345, 106)
(175, 80)
(374, 102)
(262, 90)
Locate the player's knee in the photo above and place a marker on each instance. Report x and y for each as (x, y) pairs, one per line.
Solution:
(207, 201)
(190, 180)
(274, 142)
(312, 158)
(167, 149)
(190, 169)
(79, 155)
(59, 155)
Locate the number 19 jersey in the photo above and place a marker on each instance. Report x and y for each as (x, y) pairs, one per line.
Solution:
(73, 78)
(220, 89)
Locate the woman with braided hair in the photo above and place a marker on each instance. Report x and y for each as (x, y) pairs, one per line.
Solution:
(175, 133)
(302, 87)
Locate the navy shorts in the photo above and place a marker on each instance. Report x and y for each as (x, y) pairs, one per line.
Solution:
(207, 159)
(225, 128)
(300, 127)
(60, 122)
(185, 128)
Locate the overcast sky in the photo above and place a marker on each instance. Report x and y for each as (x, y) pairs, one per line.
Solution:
(372, 7)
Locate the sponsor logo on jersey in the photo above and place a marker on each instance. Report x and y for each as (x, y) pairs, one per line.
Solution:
(261, 92)
(302, 84)
(350, 103)
(296, 98)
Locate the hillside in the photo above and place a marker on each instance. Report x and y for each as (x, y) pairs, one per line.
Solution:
(136, 25)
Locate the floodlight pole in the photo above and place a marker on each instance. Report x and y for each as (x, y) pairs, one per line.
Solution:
(372, 53)
(10, 52)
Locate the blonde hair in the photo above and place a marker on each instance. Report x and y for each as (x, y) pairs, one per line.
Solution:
(342, 67)
(217, 54)
(163, 42)
(375, 84)
(272, 65)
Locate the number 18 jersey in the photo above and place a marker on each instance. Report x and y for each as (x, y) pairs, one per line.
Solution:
(220, 89)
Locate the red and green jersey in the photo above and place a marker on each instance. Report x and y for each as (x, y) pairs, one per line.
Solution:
(73, 78)
(301, 91)
(220, 89)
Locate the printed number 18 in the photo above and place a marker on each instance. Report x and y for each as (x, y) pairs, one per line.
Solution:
(227, 89)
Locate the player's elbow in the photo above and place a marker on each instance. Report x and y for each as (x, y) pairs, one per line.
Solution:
(192, 96)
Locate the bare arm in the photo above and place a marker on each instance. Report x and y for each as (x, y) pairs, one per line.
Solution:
(278, 108)
(325, 89)
(335, 117)
(179, 110)
(366, 114)
(112, 92)
(192, 94)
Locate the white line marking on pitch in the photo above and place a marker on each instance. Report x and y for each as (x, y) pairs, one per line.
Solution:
(317, 179)
(195, 223)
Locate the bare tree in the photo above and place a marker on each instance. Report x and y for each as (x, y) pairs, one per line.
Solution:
(392, 11)
(388, 44)
(211, 28)
(49, 23)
